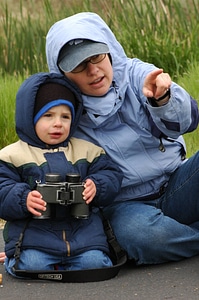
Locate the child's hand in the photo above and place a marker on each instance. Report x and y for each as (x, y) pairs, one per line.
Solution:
(35, 202)
(2, 257)
(89, 191)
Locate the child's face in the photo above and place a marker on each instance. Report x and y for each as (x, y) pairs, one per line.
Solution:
(54, 126)
(95, 80)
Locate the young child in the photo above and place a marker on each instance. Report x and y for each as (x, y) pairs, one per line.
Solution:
(48, 108)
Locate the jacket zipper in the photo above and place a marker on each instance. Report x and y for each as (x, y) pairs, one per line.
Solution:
(67, 243)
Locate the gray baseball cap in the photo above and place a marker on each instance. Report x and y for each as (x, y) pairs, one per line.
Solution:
(76, 51)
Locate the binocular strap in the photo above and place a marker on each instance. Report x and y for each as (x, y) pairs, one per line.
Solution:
(117, 255)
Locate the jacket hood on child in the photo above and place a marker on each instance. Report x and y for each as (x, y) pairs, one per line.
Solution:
(25, 107)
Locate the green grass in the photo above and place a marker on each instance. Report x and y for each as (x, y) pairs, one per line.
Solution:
(162, 32)
(190, 82)
(8, 88)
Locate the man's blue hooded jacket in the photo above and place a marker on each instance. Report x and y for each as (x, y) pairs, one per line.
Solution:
(144, 140)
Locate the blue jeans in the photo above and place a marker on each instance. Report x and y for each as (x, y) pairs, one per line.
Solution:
(166, 229)
(36, 260)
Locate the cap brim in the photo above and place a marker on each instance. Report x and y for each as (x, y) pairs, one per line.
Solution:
(76, 54)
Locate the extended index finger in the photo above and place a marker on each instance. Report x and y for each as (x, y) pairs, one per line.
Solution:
(152, 75)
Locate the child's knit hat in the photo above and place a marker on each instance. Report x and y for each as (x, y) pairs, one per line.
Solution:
(50, 95)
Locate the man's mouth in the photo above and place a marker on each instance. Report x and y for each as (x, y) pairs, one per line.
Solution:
(97, 81)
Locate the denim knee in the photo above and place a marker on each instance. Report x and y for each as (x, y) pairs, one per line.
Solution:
(31, 260)
(92, 259)
(150, 237)
(37, 260)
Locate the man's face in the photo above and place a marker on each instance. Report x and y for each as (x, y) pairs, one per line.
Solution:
(95, 79)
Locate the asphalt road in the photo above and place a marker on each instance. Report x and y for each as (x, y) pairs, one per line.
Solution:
(167, 281)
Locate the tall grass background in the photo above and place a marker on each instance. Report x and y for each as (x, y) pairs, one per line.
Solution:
(163, 32)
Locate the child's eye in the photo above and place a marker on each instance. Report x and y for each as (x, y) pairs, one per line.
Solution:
(47, 115)
(68, 117)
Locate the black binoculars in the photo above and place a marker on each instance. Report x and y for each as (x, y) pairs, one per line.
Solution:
(54, 191)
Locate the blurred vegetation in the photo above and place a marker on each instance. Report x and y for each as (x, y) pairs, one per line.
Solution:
(163, 32)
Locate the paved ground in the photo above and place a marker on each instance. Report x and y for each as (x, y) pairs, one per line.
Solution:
(168, 281)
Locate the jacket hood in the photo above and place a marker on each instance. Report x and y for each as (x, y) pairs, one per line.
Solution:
(85, 25)
(88, 25)
(25, 102)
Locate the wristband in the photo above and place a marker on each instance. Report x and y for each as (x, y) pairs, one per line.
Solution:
(167, 94)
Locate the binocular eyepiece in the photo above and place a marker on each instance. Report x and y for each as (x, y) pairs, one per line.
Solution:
(54, 191)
